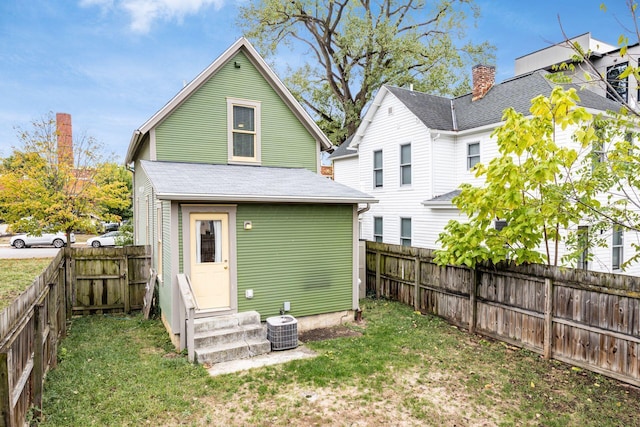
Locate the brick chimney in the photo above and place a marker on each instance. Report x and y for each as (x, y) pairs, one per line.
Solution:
(65, 138)
(484, 76)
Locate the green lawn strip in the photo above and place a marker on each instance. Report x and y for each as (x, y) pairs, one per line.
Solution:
(16, 275)
(123, 371)
(119, 371)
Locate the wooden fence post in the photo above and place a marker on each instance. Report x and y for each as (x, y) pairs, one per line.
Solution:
(548, 318)
(6, 409)
(377, 275)
(69, 278)
(473, 307)
(124, 283)
(61, 302)
(53, 325)
(418, 280)
(70, 286)
(38, 357)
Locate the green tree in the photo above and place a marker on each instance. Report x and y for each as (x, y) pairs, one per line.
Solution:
(112, 181)
(354, 47)
(533, 185)
(48, 189)
(617, 172)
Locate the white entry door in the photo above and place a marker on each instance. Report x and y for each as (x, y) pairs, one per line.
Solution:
(210, 260)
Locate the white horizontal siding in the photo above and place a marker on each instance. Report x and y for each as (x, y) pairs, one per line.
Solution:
(393, 126)
(445, 177)
(345, 171)
(439, 165)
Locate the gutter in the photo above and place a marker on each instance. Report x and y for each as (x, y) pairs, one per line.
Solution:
(363, 210)
(249, 198)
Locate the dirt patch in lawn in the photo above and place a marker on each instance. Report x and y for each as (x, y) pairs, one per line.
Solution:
(321, 334)
(413, 398)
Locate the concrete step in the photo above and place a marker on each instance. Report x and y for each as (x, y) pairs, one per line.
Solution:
(215, 337)
(232, 351)
(227, 321)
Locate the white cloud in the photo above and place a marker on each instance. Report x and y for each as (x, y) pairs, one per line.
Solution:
(144, 13)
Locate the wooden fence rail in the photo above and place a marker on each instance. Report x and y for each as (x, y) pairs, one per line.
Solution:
(30, 328)
(583, 318)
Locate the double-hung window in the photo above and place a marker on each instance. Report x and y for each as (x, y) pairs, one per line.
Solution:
(598, 152)
(377, 229)
(405, 164)
(405, 231)
(620, 86)
(617, 246)
(583, 245)
(377, 169)
(244, 130)
(473, 154)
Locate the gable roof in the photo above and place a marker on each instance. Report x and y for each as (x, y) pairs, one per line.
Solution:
(433, 111)
(242, 44)
(344, 150)
(461, 113)
(517, 93)
(239, 183)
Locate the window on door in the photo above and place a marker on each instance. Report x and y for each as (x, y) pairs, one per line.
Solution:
(377, 229)
(405, 164)
(208, 241)
(405, 231)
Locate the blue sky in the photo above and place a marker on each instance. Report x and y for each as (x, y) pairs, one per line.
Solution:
(112, 64)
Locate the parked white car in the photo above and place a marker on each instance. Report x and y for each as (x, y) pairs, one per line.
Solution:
(57, 240)
(107, 239)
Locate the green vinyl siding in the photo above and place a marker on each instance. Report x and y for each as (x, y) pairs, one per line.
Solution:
(164, 290)
(141, 209)
(297, 253)
(196, 131)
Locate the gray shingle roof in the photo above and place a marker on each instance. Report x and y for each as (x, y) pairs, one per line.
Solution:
(235, 183)
(442, 199)
(343, 150)
(436, 112)
(445, 197)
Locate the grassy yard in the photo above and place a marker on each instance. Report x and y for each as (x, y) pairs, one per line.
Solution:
(404, 369)
(16, 275)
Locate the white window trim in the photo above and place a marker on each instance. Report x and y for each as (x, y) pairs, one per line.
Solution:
(617, 247)
(410, 238)
(406, 164)
(381, 226)
(256, 105)
(469, 156)
(381, 169)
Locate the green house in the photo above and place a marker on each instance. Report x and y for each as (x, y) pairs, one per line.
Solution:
(229, 196)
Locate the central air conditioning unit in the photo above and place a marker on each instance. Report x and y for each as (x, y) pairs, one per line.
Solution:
(282, 332)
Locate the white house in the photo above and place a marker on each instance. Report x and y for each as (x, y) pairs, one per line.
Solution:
(607, 59)
(413, 150)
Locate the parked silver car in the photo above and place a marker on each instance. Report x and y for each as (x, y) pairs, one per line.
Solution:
(57, 240)
(107, 239)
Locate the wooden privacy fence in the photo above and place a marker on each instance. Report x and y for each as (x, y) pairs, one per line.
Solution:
(109, 279)
(583, 318)
(83, 281)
